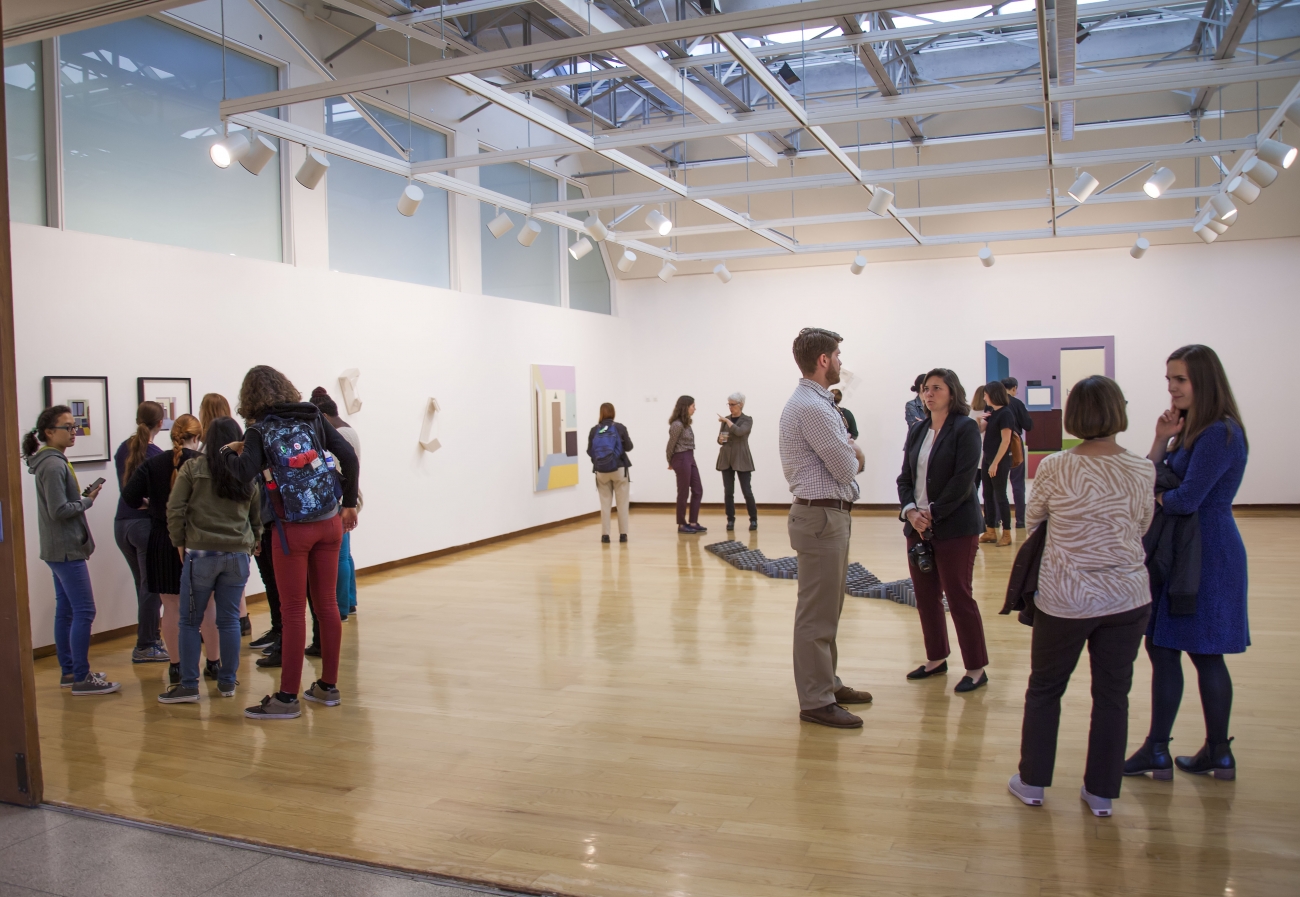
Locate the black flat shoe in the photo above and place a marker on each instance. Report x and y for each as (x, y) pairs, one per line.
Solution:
(922, 673)
(1211, 759)
(604, 540)
(966, 684)
(753, 526)
(1152, 757)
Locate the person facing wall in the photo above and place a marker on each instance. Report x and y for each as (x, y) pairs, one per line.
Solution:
(607, 445)
(734, 459)
(131, 529)
(681, 461)
(346, 587)
(996, 464)
(1024, 423)
(213, 406)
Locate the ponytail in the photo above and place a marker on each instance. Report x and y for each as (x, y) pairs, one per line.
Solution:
(184, 428)
(46, 420)
(147, 416)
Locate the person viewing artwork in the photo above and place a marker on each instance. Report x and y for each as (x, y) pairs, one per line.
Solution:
(914, 410)
(131, 528)
(996, 464)
(607, 446)
(821, 463)
(346, 588)
(936, 489)
(849, 420)
(1024, 423)
(681, 461)
(1095, 501)
(1200, 452)
(66, 545)
(213, 406)
(734, 459)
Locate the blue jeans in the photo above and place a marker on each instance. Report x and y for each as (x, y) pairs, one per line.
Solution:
(221, 575)
(74, 611)
(346, 587)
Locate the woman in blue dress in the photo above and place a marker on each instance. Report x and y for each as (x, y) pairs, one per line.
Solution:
(1202, 440)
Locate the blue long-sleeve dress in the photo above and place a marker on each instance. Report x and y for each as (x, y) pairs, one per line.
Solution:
(1211, 472)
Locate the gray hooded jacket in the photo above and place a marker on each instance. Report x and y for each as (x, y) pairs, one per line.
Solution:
(61, 508)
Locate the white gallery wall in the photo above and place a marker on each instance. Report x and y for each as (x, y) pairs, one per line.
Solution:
(699, 337)
(88, 305)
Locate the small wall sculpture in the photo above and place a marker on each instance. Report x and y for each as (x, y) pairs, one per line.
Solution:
(428, 431)
(348, 386)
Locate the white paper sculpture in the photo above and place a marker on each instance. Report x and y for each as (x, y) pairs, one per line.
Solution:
(348, 384)
(428, 432)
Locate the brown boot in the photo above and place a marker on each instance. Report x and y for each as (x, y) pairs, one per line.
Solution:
(1006, 538)
(832, 715)
(990, 535)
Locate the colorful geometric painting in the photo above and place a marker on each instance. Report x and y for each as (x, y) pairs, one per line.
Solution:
(555, 426)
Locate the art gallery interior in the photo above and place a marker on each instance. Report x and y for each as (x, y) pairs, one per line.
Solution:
(475, 222)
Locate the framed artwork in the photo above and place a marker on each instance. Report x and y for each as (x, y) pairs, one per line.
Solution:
(555, 427)
(88, 399)
(173, 393)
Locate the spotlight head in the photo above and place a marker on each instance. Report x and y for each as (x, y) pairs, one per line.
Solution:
(720, 271)
(501, 225)
(1224, 208)
(1140, 247)
(859, 264)
(529, 233)
(986, 257)
(881, 200)
(410, 200)
(1260, 172)
(1293, 113)
(1275, 152)
(260, 151)
(596, 228)
(667, 271)
(1205, 233)
(1158, 183)
(658, 222)
(1082, 187)
(580, 248)
(312, 171)
(1244, 189)
(786, 74)
(232, 149)
(1212, 223)
(626, 261)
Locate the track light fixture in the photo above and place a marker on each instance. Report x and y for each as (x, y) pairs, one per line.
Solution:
(658, 222)
(1082, 187)
(881, 200)
(1205, 233)
(859, 264)
(312, 171)
(1212, 223)
(1260, 172)
(1293, 113)
(1244, 189)
(667, 271)
(1275, 152)
(720, 271)
(501, 225)
(580, 248)
(1225, 209)
(596, 229)
(232, 149)
(529, 232)
(410, 200)
(986, 257)
(1140, 247)
(626, 261)
(1158, 183)
(260, 151)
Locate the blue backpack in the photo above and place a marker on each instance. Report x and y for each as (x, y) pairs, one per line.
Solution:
(302, 480)
(607, 448)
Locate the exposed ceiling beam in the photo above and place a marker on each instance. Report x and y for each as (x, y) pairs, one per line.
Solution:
(380, 19)
(1044, 70)
(876, 69)
(1242, 15)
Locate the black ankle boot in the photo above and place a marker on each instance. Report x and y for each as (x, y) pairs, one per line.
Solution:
(1211, 759)
(245, 626)
(212, 670)
(1152, 757)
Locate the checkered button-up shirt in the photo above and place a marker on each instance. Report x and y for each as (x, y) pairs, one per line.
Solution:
(815, 451)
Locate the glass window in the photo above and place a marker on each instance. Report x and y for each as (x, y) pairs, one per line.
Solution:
(588, 279)
(367, 233)
(139, 113)
(530, 273)
(25, 124)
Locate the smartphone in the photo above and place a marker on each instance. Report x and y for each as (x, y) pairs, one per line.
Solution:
(93, 486)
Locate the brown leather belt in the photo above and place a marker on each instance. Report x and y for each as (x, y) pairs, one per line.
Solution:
(824, 503)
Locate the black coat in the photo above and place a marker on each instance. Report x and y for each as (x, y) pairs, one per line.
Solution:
(1173, 549)
(950, 477)
(1023, 582)
(1024, 423)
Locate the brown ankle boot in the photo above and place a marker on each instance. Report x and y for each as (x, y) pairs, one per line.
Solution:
(1006, 538)
(990, 535)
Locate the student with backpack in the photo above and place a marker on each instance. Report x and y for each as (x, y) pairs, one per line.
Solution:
(607, 446)
(309, 496)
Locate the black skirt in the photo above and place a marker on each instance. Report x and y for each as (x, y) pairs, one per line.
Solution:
(162, 562)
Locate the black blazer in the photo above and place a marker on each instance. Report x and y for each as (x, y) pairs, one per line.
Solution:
(950, 478)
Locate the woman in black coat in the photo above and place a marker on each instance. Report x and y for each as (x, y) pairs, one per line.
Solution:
(936, 489)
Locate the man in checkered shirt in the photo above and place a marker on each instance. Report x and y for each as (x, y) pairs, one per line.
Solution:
(821, 464)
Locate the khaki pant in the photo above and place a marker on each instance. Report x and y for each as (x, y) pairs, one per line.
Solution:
(820, 537)
(613, 486)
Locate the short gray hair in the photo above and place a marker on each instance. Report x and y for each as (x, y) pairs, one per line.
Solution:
(737, 397)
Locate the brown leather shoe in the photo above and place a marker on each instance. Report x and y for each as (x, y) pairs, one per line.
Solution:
(846, 695)
(832, 715)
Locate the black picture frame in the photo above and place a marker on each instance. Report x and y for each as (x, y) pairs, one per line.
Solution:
(143, 395)
(93, 448)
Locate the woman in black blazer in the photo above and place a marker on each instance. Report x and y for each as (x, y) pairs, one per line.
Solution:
(936, 489)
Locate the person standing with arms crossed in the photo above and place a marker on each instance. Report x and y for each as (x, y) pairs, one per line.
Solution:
(821, 464)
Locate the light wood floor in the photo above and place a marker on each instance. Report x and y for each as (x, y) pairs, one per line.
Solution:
(553, 714)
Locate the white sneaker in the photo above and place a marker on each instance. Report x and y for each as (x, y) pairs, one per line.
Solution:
(1031, 795)
(1100, 806)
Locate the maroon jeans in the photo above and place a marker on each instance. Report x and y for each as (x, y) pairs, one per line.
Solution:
(954, 569)
(688, 478)
(313, 556)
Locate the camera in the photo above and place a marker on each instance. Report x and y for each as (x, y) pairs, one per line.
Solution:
(922, 554)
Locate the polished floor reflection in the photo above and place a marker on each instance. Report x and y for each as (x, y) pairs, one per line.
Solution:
(554, 714)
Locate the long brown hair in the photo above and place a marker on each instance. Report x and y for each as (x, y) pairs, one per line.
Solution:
(1212, 398)
(184, 428)
(263, 387)
(147, 416)
(213, 406)
(682, 411)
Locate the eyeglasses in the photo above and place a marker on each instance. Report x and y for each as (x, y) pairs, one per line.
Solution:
(69, 427)
(734, 404)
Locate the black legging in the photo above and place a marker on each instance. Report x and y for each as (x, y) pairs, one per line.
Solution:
(1167, 691)
(996, 505)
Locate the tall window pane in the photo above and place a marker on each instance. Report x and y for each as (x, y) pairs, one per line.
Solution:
(588, 279)
(530, 273)
(25, 122)
(367, 233)
(139, 114)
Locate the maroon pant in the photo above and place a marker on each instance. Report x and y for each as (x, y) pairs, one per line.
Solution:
(313, 556)
(954, 568)
(688, 478)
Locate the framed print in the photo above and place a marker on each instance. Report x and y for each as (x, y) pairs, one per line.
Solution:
(173, 393)
(88, 399)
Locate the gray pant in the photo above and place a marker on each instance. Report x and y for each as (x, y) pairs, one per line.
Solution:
(613, 487)
(132, 538)
(820, 537)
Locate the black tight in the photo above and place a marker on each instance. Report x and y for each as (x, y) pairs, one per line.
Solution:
(1167, 691)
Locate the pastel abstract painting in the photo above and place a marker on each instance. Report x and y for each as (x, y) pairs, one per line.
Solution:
(555, 426)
